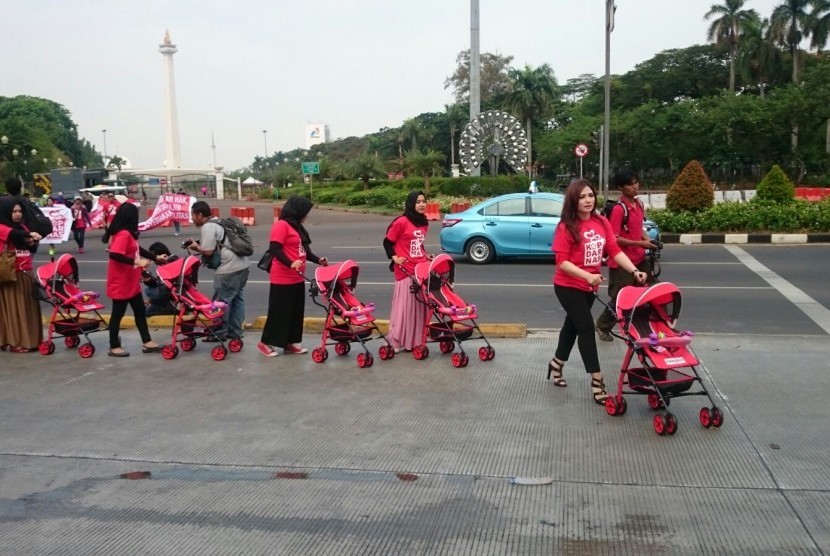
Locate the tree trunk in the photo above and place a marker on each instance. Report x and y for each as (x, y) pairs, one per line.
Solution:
(733, 52)
(529, 150)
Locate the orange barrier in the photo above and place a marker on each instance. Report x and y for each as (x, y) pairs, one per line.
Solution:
(244, 214)
(433, 211)
(812, 193)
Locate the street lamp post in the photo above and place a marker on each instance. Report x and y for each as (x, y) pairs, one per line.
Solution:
(104, 131)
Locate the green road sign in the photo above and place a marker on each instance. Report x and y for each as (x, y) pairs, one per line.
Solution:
(311, 167)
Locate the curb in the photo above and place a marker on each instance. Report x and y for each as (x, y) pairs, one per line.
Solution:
(754, 238)
(314, 325)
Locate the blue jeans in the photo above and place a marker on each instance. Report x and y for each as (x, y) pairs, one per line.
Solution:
(230, 289)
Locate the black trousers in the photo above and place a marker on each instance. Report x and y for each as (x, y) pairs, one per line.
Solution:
(619, 278)
(286, 309)
(578, 327)
(119, 307)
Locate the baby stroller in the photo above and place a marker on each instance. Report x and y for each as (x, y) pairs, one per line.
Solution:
(198, 316)
(74, 312)
(451, 320)
(348, 320)
(667, 366)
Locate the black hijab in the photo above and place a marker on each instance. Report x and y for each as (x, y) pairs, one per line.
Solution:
(19, 233)
(293, 211)
(126, 218)
(409, 210)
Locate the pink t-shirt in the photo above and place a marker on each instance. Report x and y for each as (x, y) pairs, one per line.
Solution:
(636, 217)
(292, 246)
(123, 280)
(596, 239)
(408, 240)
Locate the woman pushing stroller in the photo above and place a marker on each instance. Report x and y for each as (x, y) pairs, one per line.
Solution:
(581, 238)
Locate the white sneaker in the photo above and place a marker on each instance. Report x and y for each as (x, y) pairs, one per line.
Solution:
(267, 350)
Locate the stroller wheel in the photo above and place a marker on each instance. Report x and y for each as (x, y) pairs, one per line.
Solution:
(71, 342)
(717, 417)
(318, 355)
(188, 344)
(611, 407)
(654, 402)
(705, 417)
(342, 348)
(457, 360)
(671, 424)
(170, 351)
(386, 352)
(420, 352)
(486, 353)
(660, 424)
(622, 406)
(446, 346)
(86, 351)
(218, 353)
(364, 360)
(235, 345)
(46, 347)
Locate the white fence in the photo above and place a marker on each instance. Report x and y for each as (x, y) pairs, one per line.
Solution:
(658, 200)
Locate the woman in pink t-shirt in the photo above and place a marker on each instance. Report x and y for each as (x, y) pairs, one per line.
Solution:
(289, 243)
(404, 244)
(579, 242)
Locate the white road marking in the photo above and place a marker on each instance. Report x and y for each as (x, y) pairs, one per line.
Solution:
(812, 308)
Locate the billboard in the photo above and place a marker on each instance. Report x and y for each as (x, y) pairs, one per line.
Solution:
(316, 134)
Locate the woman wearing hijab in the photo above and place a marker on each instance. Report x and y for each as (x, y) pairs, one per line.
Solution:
(124, 278)
(21, 330)
(289, 244)
(404, 245)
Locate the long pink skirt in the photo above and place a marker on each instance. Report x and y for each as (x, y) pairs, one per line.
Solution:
(408, 318)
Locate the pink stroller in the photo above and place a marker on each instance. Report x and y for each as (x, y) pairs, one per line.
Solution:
(348, 320)
(75, 312)
(198, 316)
(452, 320)
(667, 366)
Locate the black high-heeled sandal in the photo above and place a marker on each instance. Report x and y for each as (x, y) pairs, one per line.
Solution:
(557, 367)
(598, 391)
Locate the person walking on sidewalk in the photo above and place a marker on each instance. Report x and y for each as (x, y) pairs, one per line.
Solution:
(290, 246)
(80, 222)
(230, 276)
(404, 244)
(124, 278)
(626, 218)
(580, 240)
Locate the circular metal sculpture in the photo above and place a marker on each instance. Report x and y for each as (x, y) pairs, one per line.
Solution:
(497, 136)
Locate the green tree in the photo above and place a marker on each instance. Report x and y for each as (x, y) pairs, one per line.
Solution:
(533, 91)
(495, 80)
(760, 61)
(365, 167)
(691, 191)
(117, 162)
(456, 120)
(729, 21)
(776, 187)
(424, 164)
(790, 23)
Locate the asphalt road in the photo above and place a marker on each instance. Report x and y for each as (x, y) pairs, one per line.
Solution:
(743, 289)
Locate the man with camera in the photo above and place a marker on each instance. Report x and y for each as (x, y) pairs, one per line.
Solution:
(231, 270)
(626, 218)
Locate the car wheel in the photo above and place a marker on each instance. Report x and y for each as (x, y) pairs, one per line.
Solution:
(480, 251)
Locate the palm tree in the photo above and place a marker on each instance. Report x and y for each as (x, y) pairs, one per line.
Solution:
(789, 24)
(819, 30)
(364, 167)
(424, 164)
(728, 28)
(534, 90)
(456, 117)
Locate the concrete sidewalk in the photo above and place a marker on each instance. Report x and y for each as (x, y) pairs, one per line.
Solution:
(284, 456)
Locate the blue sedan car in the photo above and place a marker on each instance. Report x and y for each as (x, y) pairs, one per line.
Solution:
(513, 225)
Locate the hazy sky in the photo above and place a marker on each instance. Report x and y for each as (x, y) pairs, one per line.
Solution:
(248, 65)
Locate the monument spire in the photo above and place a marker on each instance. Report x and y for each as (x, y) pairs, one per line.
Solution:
(172, 148)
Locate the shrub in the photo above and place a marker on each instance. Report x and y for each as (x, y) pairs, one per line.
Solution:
(776, 187)
(691, 191)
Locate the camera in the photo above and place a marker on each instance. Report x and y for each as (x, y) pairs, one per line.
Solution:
(187, 243)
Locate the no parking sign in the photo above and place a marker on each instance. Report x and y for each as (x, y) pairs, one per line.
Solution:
(581, 150)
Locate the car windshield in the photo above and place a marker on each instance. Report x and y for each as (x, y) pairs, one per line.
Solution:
(508, 207)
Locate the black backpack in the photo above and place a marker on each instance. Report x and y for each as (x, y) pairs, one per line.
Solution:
(237, 238)
(609, 206)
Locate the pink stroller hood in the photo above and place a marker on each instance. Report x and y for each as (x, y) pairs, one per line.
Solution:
(179, 271)
(65, 267)
(649, 315)
(442, 264)
(327, 276)
(660, 294)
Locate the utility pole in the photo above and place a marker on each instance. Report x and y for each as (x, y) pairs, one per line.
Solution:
(475, 69)
(610, 8)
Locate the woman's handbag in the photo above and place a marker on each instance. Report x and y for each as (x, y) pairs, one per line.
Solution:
(265, 262)
(8, 262)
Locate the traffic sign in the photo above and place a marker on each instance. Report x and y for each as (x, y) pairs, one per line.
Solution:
(311, 167)
(581, 150)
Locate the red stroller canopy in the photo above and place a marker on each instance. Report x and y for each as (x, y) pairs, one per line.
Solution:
(66, 266)
(331, 274)
(441, 264)
(187, 267)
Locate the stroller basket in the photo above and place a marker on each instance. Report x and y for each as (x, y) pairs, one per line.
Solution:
(72, 327)
(446, 331)
(344, 332)
(668, 381)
